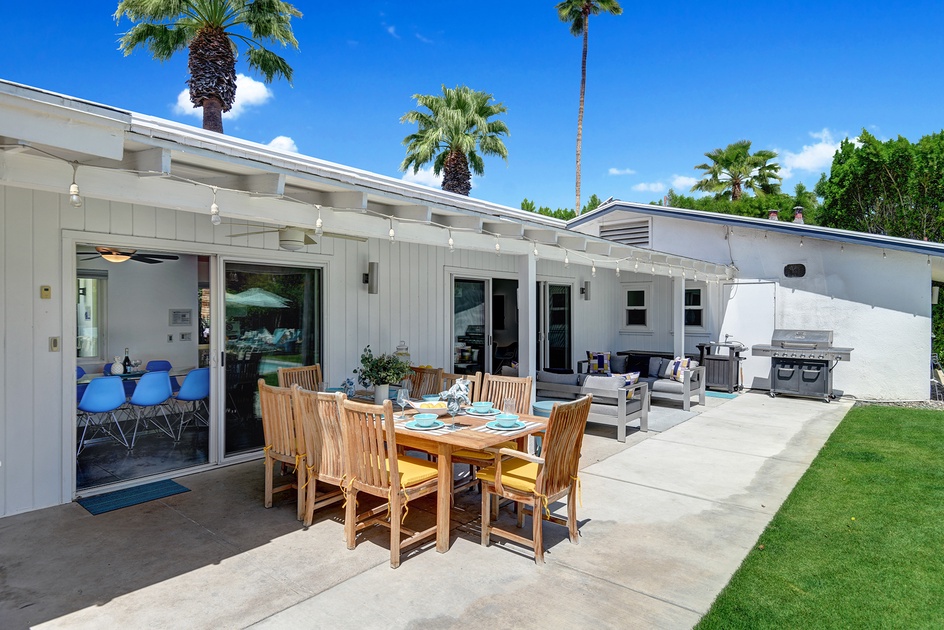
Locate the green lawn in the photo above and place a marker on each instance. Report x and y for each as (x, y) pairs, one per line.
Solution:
(859, 543)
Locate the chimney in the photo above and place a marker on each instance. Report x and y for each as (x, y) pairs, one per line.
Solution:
(773, 215)
(798, 214)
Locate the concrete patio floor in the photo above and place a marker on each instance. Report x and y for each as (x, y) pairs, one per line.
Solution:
(666, 518)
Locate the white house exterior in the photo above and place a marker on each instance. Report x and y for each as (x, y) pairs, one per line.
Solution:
(873, 292)
(150, 185)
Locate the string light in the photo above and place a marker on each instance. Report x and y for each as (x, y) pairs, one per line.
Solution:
(883, 254)
(393, 235)
(617, 270)
(215, 210)
(801, 241)
(319, 224)
(536, 253)
(452, 243)
(636, 266)
(75, 198)
(593, 269)
(566, 259)
(497, 247)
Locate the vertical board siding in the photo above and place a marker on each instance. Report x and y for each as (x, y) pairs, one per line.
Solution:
(6, 234)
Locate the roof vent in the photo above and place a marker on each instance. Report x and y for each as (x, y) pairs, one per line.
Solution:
(634, 233)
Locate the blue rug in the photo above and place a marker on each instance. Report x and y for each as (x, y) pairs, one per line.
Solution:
(720, 395)
(118, 499)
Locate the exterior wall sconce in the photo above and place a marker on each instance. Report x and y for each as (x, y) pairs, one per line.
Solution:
(372, 278)
(585, 290)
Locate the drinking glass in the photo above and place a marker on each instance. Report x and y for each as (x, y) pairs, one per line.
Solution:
(403, 396)
(322, 386)
(509, 405)
(452, 406)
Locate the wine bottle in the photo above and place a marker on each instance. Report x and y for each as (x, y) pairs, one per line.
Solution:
(127, 362)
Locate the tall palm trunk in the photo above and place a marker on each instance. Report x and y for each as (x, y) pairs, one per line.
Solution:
(583, 89)
(456, 175)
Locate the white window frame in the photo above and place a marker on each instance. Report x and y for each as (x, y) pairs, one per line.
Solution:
(102, 309)
(646, 288)
(701, 287)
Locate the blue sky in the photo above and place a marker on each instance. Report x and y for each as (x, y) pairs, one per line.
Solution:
(667, 82)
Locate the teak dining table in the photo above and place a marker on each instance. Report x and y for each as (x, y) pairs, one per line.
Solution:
(445, 443)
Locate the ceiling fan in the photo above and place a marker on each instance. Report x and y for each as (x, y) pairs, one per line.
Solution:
(294, 238)
(118, 255)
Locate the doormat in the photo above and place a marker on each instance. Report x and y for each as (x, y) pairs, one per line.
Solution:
(720, 395)
(101, 503)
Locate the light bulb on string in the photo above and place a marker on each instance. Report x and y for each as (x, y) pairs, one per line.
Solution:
(393, 235)
(883, 254)
(75, 198)
(319, 224)
(536, 253)
(636, 266)
(593, 269)
(617, 270)
(566, 259)
(215, 211)
(452, 243)
(497, 247)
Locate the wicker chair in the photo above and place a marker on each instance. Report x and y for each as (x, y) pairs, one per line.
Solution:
(320, 417)
(371, 465)
(284, 441)
(425, 381)
(448, 380)
(307, 376)
(534, 482)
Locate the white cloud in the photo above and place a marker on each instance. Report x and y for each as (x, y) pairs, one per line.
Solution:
(649, 187)
(813, 158)
(423, 39)
(424, 176)
(391, 29)
(621, 171)
(284, 143)
(683, 183)
(249, 93)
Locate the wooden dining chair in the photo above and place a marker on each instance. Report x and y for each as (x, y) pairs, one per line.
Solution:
(320, 417)
(284, 441)
(307, 376)
(536, 482)
(372, 465)
(475, 383)
(425, 381)
(497, 388)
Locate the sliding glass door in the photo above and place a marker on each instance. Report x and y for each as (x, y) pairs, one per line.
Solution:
(555, 324)
(471, 328)
(273, 319)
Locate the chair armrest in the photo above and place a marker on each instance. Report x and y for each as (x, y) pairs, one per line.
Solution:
(534, 459)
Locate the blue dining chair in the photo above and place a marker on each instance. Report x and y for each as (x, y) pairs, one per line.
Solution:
(195, 390)
(160, 365)
(101, 399)
(153, 390)
(80, 387)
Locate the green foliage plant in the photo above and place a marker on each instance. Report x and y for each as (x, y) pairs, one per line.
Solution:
(384, 369)
(734, 169)
(211, 31)
(454, 128)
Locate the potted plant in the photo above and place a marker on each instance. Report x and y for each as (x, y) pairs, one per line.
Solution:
(381, 371)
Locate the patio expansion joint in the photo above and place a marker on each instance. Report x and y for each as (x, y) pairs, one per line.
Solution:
(624, 587)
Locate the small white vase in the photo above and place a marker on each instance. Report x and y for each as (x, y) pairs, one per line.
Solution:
(381, 393)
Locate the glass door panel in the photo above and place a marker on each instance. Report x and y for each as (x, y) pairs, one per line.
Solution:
(273, 320)
(470, 326)
(559, 314)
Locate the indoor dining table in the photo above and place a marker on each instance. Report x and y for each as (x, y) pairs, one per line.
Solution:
(445, 441)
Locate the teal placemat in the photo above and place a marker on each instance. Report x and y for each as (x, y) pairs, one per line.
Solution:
(118, 499)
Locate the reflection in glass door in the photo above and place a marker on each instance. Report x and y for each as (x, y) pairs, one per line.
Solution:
(273, 320)
(471, 334)
(554, 326)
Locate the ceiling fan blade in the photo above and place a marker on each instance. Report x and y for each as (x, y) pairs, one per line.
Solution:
(91, 257)
(146, 259)
(160, 256)
(344, 236)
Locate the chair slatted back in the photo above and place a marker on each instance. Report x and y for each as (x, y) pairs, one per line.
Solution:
(367, 441)
(425, 381)
(562, 443)
(282, 433)
(307, 376)
(319, 414)
(496, 389)
(475, 383)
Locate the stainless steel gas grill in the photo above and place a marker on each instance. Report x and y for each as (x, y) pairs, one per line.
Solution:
(802, 362)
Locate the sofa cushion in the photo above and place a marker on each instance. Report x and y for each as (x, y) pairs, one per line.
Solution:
(677, 366)
(598, 362)
(631, 379)
(562, 379)
(619, 364)
(604, 382)
(656, 367)
(667, 385)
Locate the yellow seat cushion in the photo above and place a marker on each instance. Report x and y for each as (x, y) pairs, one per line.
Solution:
(516, 473)
(414, 471)
(482, 455)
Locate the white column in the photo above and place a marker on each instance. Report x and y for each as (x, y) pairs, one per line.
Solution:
(527, 316)
(678, 315)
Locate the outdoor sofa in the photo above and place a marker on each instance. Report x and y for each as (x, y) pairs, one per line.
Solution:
(614, 402)
(656, 370)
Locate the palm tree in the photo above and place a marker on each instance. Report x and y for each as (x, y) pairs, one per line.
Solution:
(456, 124)
(734, 169)
(577, 13)
(207, 28)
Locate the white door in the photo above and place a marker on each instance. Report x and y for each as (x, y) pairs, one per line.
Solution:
(748, 316)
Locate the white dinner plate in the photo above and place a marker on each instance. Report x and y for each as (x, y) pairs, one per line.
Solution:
(494, 425)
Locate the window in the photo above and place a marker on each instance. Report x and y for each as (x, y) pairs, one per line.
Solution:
(90, 314)
(636, 307)
(694, 308)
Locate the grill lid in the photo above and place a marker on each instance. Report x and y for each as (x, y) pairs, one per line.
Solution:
(791, 338)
